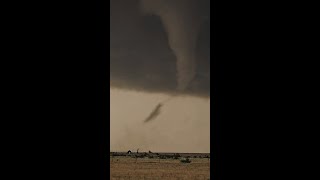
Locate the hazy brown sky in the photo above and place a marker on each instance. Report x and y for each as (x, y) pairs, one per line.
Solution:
(183, 125)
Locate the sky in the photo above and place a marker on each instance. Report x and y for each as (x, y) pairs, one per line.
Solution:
(160, 49)
(182, 126)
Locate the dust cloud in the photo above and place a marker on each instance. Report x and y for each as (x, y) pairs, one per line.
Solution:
(183, 126)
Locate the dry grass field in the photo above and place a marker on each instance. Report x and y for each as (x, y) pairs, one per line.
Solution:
(130, 167)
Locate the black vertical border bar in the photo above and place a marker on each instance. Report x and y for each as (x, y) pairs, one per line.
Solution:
(103, 94)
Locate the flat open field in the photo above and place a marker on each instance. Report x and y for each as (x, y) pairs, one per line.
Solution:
(159, 166)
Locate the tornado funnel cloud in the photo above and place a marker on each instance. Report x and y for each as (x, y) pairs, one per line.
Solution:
(157, 110)
(154, 114)
(181, 21)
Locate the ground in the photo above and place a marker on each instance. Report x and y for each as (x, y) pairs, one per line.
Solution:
(130, 167)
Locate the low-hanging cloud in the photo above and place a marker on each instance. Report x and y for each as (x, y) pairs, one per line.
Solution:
(160, 46)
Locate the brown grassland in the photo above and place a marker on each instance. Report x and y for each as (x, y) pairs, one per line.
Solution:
(129, 167)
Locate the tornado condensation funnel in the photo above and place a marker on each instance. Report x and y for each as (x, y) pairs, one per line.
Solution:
(181, 20)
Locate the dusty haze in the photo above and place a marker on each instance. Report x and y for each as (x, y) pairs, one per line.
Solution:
(183, 126)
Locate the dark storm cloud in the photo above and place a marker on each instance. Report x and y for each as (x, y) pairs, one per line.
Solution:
(141, 56)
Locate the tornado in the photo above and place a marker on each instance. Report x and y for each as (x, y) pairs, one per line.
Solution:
(181, 20)
(157, 110)
(155, 113)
